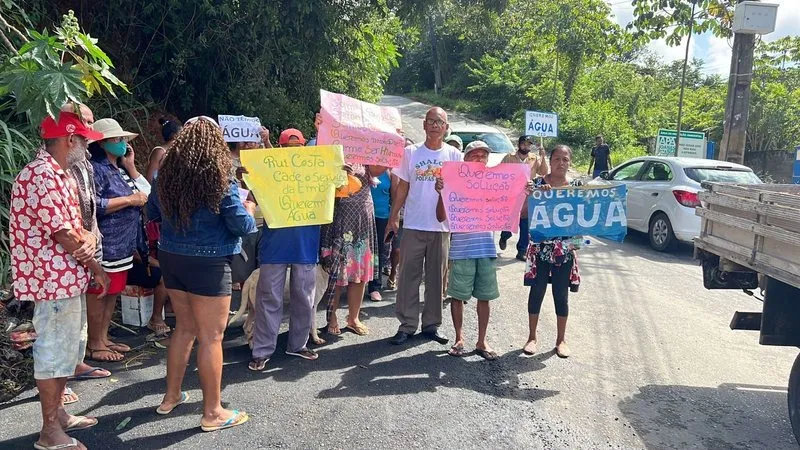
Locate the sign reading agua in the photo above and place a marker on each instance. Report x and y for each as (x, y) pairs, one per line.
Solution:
(579, 211)
(239, 128)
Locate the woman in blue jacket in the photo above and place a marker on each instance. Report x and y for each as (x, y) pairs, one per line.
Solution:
(202, 222)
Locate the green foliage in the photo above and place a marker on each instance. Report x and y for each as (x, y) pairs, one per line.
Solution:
(671, 19)
(50, 70)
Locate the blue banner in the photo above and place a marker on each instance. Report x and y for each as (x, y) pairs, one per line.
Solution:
(579, 211)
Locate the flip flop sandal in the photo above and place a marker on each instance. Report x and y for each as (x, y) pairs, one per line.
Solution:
(80, 423)
(92, 352)
(164, 412)
(305, 354)
(487, 355)
(73, 444)
(258, 364)
(359, 330)
(328, 331)
(159, 330)
(119, 348)
(69, 397)
(236, 419)
(457, 350)
(87, 375)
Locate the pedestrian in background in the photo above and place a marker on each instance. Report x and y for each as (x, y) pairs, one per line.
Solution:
(600, 158)
(202, 222)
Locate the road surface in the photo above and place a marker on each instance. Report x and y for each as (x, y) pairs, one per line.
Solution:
(654, 365)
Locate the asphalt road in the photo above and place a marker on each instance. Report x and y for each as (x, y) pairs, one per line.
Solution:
(654, 365)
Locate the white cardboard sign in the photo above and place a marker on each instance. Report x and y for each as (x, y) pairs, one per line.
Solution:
(542, 124)
(240, 128)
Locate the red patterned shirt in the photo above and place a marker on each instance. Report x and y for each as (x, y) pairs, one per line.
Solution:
(44, 201)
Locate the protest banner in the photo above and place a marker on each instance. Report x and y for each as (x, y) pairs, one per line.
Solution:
(542, 124)
(239, 128)
(579, 211)
(367, 132)
(480, 198)
(295, 186)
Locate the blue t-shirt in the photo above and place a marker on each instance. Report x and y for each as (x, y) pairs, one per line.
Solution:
(293, 245)
(472, 245)
(381, 197)
(600, 154)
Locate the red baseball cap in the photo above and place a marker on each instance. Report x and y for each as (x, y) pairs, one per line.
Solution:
(289, 133)
(68, 123)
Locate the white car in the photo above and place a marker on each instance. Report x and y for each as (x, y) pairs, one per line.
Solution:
(496, 139)
(662, 194)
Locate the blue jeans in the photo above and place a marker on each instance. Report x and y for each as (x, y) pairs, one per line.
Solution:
(383, 255)
(524, 235)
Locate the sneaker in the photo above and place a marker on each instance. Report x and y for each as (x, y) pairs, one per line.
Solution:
(375, 296)
(304, 353)
(520, 256)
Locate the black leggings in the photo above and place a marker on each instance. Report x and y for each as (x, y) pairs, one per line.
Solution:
(559, 278)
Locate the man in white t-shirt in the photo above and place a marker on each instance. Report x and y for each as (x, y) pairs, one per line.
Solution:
(426, 241)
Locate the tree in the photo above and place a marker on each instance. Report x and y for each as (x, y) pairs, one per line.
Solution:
(653, 19)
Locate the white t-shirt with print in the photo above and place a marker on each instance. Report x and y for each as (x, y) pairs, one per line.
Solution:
(420, 168)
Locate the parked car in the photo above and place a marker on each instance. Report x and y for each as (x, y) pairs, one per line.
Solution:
(496, 139)
(662, 194)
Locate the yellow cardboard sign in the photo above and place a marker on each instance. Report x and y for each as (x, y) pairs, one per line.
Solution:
(295, 186)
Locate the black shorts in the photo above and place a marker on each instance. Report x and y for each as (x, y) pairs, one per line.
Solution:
(198, 275)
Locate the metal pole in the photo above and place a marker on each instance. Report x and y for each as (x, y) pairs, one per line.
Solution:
(683, 80)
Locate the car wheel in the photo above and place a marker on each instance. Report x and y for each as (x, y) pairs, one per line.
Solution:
(660, 233)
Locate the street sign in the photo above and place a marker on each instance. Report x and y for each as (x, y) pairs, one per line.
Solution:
(693, 144)
(796, 173)
(542, 124)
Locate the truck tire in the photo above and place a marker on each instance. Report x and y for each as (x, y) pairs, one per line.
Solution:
(660, 233)
(794, 398)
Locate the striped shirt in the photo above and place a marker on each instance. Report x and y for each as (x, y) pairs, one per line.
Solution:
(472, 245)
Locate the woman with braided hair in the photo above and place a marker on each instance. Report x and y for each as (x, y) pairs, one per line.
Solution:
(202, 222)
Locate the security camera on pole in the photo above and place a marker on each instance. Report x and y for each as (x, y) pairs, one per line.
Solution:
(750, 18)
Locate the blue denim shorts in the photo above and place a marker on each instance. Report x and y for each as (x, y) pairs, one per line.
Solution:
(61, 342)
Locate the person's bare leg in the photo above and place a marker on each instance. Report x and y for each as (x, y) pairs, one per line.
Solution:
(355, 294)
(457, 312)
(533, 322)
(395, 257)
(333, 321)
(561, 345)
(483, 325)
(53, 413)
(110, 302)
(159, 300)
(96, 340)
(180, 347)
(211, 319)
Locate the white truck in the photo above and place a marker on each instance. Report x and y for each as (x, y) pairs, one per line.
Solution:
(750, 238)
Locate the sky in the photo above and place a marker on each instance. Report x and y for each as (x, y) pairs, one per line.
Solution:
(715, 52)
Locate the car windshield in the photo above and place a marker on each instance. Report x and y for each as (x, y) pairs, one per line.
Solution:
(722, 175)
(498, 142)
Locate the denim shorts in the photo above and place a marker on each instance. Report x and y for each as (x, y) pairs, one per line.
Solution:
(475, 277)
(208, 276)
(61, 342)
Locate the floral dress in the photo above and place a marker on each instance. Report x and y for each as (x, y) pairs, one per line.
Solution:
(348, 245)
(556, 252)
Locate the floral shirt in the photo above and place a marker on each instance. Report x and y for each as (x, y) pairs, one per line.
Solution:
(44, 201)
(556, 252)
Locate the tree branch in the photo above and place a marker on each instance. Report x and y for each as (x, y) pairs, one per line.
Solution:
(11, 28)
(8, 43)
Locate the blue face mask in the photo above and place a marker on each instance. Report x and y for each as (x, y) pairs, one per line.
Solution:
(115, 148)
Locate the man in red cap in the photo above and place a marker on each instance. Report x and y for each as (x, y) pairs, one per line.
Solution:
(291, 137)
(51, 256)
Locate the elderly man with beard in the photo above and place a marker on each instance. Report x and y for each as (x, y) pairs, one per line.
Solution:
(52, 256)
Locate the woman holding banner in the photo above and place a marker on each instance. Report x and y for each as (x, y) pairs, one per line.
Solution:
(553, 261)
(349, 249)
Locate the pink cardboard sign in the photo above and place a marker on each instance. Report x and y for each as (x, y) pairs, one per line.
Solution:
(480, 198)
(367, 132)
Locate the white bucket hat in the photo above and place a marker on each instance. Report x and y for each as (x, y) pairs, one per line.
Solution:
(111, 129)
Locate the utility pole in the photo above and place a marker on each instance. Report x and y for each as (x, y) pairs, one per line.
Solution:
(737, 105)
(437, 71)
(683, 79)
(751, 18)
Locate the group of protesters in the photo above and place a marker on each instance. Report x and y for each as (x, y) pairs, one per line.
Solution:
(85, 223)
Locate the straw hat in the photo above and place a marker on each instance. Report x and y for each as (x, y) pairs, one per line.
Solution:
(111, 129)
